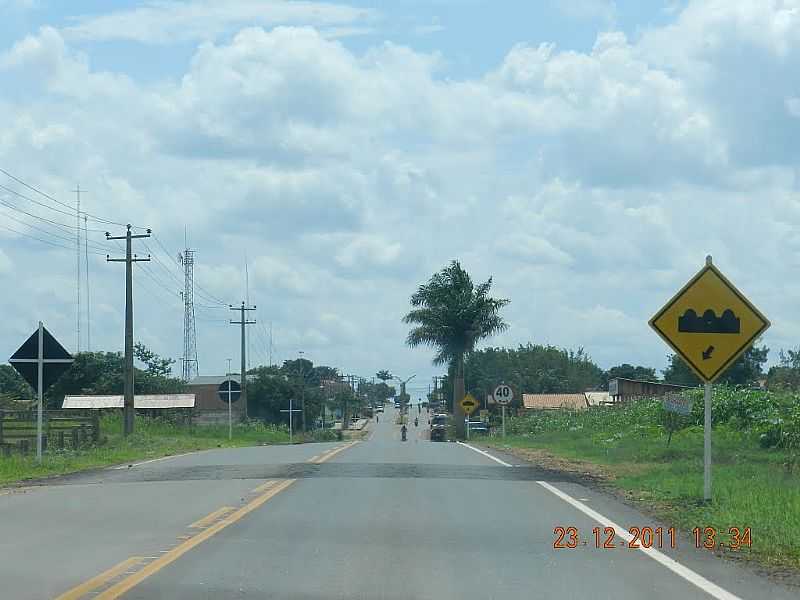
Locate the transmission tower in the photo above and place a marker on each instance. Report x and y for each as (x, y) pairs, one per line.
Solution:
(189, 333)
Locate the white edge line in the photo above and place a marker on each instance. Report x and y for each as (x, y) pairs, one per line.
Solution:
(152, 460)
(685, 572)
(486, 454)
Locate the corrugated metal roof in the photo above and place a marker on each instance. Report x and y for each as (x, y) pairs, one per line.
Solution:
(217, 379)
(541, 401)
(142, 401)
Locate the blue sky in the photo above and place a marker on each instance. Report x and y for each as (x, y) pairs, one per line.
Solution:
(587, 154)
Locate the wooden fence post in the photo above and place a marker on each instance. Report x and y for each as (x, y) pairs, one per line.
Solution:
(61, 439)
(96, 426)
(1, 427)
(74, 435)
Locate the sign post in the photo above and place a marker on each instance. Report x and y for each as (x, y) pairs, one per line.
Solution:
(503, 395)
(709, 324)
(294, 410)
(469, 405)
(229, 391)
(41, 360)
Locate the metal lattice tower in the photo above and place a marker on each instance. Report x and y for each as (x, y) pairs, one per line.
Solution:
(189, 332)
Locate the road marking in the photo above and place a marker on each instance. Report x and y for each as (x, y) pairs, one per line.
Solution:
(210, 518)
(685, 572)
(96, 582)
(327, 455)
(152, 460)
(695, 578)
(486, 454)
(120, 588)
(264, 486)
(272, 488)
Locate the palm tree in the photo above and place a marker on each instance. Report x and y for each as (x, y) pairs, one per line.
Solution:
(383, 375)
(453, 315)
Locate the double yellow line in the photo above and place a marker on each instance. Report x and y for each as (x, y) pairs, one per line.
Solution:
(211, 524)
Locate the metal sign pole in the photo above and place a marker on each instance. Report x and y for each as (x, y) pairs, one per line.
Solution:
(290, 420)
(707, 444)
(39, 375)
(467, 425)
(504, 420)
(230, 420)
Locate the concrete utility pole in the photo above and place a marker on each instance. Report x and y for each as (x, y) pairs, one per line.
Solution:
(243, 322)
(128, 260)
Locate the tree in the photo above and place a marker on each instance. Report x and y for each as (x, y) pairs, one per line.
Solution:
(452, 315)
(12, 386)
(384, 375)
(787, 373)
(626, 371)
(746, 370)
(160, 367)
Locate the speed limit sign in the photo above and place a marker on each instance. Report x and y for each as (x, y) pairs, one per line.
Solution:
(503, 394)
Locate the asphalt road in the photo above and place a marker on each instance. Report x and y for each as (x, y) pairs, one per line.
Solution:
(378, 519)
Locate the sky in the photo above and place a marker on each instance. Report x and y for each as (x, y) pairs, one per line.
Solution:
(586, 155)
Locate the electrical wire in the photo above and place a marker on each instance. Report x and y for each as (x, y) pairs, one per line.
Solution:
(49, 197)
(38, 239)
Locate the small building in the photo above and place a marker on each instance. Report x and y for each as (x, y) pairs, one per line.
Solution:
(598, 399)
(623, 390)
(554, 401)
(208, 404)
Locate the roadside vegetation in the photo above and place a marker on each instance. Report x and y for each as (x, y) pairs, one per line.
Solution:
(153, 438)
(756, 472)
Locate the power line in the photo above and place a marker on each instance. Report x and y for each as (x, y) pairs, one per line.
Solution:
(47, 232)
(71, 228)
(38, 239)
(49, 197)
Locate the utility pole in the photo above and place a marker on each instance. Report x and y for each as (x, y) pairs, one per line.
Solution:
(78, 191)
(128, 260)
(243, 322)
(88, 297)
(230, 419)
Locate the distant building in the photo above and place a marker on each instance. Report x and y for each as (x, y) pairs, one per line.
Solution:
(208, 404)
(623, 390)
(554, 401)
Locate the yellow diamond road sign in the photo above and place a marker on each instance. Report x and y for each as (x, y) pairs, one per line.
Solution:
(469, 404)
(709, 323)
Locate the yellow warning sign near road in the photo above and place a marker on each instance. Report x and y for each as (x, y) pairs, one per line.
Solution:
(469, 404)
(709, 323)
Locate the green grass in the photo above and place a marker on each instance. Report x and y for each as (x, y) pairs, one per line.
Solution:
(152, 439)
(751, 486)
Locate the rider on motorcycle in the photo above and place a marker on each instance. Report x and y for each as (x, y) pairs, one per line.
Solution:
(403, 431)
(416, 422)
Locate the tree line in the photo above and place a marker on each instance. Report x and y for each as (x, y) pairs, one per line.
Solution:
(269, 389)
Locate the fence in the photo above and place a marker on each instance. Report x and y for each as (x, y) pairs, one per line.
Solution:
(60, 429)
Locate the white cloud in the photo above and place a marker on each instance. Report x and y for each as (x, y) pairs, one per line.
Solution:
(591, 185)
(172, 21)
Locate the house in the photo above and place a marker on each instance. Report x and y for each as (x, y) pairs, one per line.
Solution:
(209, 405)
(623, 390)
(554, 401)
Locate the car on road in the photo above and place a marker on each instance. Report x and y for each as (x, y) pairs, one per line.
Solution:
(479, 427)
(439, 428)
(379, 408)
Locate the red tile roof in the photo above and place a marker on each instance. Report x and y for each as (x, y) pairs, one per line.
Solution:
(543, 401)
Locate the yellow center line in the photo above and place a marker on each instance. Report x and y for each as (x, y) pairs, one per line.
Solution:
(270, 489)
(264, 486)
(96, 582)
(210, 518)
(120, 588)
